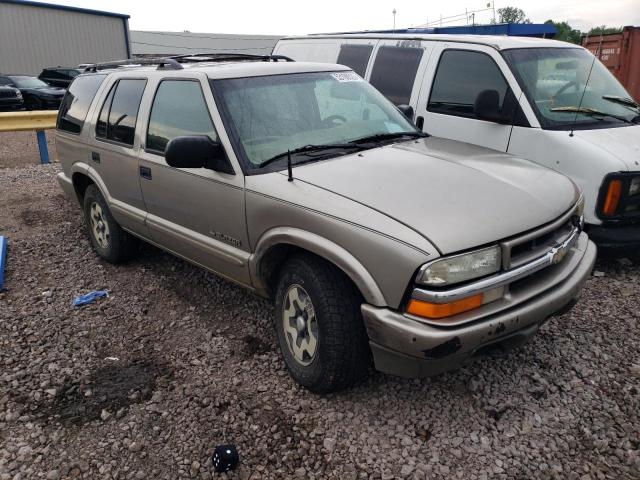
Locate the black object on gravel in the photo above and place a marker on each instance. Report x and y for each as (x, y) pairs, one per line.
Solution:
(225, 458)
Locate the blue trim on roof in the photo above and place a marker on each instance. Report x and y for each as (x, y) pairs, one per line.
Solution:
(510, 29)
(54, 6)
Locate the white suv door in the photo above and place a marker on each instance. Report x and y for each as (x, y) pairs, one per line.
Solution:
(454, 78)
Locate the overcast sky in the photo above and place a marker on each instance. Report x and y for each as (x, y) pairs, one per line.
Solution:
(286, 17)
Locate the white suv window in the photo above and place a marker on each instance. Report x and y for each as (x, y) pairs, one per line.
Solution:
(460, 77)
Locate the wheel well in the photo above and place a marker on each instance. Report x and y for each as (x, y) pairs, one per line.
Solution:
(275, 258)
(80, 184)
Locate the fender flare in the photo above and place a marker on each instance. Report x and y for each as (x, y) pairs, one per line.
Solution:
(322, 247)
(93, 175)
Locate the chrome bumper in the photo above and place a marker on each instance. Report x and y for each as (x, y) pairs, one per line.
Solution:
(405, 346)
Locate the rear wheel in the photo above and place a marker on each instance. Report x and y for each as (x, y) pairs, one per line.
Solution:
(319, 325)
(108, 239)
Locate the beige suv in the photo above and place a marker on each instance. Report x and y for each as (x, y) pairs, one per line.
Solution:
(301, 182)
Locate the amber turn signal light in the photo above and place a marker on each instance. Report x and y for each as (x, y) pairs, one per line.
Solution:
(612, 199)
(442, 310)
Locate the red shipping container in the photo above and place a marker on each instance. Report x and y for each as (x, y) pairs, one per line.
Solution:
(620, 53)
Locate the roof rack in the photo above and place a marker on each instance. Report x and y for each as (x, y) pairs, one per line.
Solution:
(225, 56)
(174, 62)
(167, 63)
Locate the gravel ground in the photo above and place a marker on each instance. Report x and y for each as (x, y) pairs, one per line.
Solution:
(144, 383)
(21, 148)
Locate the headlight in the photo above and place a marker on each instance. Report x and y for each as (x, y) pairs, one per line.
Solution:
(460, 268)
(634, 187)
(18, 94)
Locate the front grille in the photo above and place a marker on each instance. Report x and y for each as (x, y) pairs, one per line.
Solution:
(520, 250)
(6, 93)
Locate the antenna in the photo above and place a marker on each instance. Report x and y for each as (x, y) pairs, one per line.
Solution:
(289, 165)
(575, 118)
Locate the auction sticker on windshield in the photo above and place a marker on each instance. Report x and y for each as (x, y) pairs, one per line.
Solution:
(347, 77)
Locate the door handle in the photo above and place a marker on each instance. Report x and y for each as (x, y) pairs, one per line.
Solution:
(145, 172)
(420, 122)
(95, 156)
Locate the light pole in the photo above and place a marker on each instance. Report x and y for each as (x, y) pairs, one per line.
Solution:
(394, 20)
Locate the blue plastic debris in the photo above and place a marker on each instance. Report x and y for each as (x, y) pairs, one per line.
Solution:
(3, 258)
(89, 297)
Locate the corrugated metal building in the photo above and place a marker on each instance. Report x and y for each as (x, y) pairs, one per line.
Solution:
(36, 35)
(144, 44)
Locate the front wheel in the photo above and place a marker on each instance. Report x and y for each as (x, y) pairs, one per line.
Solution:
(319, 325)
(108, 239)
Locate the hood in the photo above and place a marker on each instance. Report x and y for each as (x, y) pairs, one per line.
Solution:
(623, 143)
(456, 195)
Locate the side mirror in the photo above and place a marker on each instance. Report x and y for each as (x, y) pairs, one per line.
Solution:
(487, 107)
(407, 111)
(197, 151)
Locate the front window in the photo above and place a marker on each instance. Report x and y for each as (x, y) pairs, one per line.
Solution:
(28, 82)
(566, 89)
(271, 115)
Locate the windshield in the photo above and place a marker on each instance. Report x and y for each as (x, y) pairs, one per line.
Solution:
(555, 78)
(270, 115)
(28, 82)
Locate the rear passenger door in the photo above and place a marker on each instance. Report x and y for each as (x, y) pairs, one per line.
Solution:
(396, 66)
(114, 150)
(453, 80)
(198, 214)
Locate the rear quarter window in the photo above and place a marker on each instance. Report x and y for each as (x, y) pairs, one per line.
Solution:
(76, 102)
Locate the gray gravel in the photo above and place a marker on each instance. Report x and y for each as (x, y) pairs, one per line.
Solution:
(144, 383)
(21, 148)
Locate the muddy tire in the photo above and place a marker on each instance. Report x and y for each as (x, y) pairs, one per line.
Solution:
(319, 325)
(109, 241)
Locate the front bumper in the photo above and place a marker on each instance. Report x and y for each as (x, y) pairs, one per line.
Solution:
(618, 240)
(405, 346)
(11, 103)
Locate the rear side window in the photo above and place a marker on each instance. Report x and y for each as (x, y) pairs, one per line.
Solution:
(117, 120)
(179, 108)
(460, 77)
(394, 72)
(356, 57)
(76, 102)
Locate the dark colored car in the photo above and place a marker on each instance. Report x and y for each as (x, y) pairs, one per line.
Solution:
(37, 94)
(10, 98)
(59, 76)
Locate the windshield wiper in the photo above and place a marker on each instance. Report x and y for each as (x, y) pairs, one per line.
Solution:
(590, 111)
(309, 149)
(627, 102)
(381, 137)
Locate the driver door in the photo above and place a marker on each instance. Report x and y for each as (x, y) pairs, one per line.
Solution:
(196, 213)
(455, 76)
